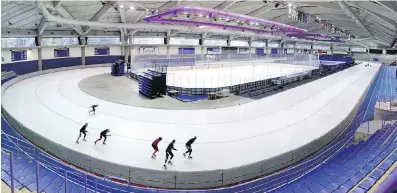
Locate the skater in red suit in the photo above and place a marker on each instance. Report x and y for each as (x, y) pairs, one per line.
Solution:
(155, 146)
(168, 152)
(83, 131)
(189, 147)
(93, 109)
(103, 134)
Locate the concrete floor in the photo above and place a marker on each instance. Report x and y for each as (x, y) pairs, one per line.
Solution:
(123, 90)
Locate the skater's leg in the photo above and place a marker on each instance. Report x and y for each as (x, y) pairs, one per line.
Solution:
(190, 151)
(77, 141)
(105, 139)
(166, 157)
(85, 134)
(172, 155)
(98, 139)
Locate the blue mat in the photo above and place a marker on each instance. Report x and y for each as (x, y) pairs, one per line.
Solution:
(190, 98)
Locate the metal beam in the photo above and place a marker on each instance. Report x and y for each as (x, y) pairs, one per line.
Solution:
(123, 20)
(260, 11)
(390, 5)
(99, 15)
(18, 33)
(43, 23)
(353, 15)
(131, 33)
(173, 32)
(64, 13)
(379, 41)
(378, 16)
(225, 5)
(204, 35)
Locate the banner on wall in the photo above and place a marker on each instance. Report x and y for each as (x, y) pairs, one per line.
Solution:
(274, 51)
(19, 55)
(148, 50)
(243, 50)
(260, 51)
(102, 51)
(186, 51)
(214, 51)
(63, 52)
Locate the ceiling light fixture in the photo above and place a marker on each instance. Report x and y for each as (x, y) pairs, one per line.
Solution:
(121, 6)
(132, 7)
(289, 4)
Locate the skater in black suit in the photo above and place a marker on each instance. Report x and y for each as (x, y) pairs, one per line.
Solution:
(168, 152)
(189, 147)
(103, 134)
(83, 131)
(93, 109)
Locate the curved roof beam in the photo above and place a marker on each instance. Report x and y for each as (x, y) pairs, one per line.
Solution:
(354, 16)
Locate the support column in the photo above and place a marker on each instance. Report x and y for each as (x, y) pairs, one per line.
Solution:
(83, 43)
(168, 46)
(202, 53)
(39, 54)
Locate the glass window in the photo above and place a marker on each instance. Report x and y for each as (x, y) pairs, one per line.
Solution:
(183, 41)
(148, 41)
(258, 44)
(59, 41)
(304, 46)
(17, 42)
(358, 49)
(103, 40)
(273, 45)
(321, 47)
(289, 45)
(341, 48)
(215, 42)
(238, 43)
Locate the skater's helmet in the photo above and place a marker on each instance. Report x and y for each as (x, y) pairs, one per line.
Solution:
(86, 123)
(173, 141)
(160, 138)
(108, 130)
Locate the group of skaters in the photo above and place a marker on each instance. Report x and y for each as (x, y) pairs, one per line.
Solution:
(168, 152)
(170, 147)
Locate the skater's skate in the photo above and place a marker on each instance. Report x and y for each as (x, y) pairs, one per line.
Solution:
(84, 140)
(104, 143)
(184, 154)
(164, 166)
(154, 156)
(190, 157)
(77, 142)
(169, 162)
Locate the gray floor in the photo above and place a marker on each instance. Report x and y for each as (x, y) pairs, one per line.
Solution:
(124, 90)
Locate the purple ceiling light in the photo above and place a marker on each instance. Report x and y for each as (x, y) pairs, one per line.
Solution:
(288, 30)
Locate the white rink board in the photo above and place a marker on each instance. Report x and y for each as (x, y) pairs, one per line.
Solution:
(53, 106)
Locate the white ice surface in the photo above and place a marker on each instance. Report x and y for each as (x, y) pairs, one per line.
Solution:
(231, 75)
(54, 106)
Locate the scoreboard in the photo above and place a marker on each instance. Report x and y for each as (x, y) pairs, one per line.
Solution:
(64, 52)
(19, 55)
(102, 51)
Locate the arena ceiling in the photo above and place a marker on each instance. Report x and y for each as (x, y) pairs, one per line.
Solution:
(372, 23)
